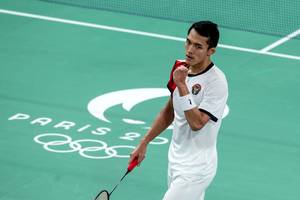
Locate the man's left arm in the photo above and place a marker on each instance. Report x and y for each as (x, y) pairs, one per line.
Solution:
(196, 118)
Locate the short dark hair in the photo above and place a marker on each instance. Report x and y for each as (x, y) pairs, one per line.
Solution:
(207, 29)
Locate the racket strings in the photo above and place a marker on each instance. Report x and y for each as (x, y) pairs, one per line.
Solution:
(102, 196)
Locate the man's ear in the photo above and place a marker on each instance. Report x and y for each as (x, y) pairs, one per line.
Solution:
(211, 51)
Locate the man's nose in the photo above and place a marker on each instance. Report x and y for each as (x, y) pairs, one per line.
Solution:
(190, 49)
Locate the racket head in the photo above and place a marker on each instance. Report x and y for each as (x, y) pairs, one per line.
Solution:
(103, 195)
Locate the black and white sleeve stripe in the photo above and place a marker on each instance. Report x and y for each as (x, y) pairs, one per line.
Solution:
(212, 117)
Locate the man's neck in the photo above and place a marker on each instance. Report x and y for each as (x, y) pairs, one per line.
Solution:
(200, 67)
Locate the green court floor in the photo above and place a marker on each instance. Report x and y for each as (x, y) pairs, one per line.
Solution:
(76, 97)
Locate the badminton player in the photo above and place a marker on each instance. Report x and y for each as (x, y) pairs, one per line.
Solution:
(198, 97)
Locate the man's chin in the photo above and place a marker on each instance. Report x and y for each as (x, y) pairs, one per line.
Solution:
(188, 62)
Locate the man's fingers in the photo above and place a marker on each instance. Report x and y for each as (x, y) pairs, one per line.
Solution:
(182, 68)
(140, 159)
(132, 157)
(138, 153)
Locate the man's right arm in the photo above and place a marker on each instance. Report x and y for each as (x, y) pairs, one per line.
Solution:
(162, 121)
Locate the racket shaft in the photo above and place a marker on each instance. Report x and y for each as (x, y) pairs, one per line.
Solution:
(118, 183)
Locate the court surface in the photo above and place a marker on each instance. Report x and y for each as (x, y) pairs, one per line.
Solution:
(79, 88)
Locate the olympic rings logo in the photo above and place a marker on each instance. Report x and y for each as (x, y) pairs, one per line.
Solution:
(97, 149)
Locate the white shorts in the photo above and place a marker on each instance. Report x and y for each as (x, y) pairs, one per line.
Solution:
(187, 187)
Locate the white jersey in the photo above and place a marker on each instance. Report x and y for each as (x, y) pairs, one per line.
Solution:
(194, 152)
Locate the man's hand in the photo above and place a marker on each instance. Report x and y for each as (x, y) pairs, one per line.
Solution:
(180, 75)
(139, 153)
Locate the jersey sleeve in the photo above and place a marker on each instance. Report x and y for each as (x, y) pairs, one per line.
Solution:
(171, 85)
(214, 101)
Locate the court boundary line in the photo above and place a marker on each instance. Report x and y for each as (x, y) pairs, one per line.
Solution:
(281, 41)
(136, 32)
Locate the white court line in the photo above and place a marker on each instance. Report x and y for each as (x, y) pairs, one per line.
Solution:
(281, 41)
(155, 35)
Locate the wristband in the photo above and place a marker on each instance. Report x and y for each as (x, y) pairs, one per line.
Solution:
(186, 102)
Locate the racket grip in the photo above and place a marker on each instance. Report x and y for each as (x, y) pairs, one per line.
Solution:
(132, 165)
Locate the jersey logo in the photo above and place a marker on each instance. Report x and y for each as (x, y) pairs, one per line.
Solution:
(196, 89)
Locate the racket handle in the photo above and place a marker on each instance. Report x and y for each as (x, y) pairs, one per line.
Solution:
(132, 165)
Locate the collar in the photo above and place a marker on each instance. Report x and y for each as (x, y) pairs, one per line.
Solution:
(204, 71)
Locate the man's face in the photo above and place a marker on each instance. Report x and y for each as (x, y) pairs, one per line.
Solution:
(196, 49)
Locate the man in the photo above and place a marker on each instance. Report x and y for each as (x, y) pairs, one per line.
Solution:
(198, 97)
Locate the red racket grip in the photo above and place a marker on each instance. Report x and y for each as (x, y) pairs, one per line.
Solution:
(132, 165)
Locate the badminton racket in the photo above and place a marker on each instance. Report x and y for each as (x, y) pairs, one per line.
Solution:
(104, 194)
